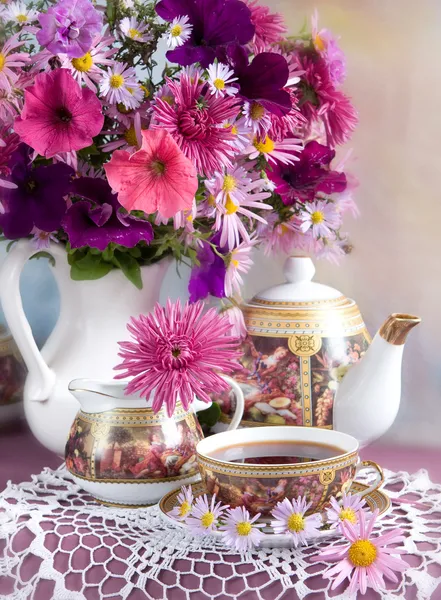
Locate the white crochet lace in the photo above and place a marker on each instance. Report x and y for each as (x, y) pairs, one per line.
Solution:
(55, 542)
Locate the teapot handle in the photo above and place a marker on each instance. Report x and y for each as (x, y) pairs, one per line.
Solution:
(240, 403)
(41, 378)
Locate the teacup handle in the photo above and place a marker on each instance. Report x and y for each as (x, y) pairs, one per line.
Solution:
(240, 403)
(378, 481)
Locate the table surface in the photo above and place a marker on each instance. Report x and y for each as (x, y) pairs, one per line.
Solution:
(26, 456)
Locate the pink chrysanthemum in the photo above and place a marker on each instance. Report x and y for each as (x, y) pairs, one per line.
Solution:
(345, 511)
(323, 101)
(185, 504)
(195, 119)
(289, 518)
(177, 353)
(8, 62)
(269, 27)
(287, 125)
(240, 531)
(204, 516)
(367, 560)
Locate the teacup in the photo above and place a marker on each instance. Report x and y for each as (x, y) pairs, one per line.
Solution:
(315, 463)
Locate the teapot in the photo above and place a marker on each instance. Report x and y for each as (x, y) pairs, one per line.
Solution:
(307, 360)
(123, 453)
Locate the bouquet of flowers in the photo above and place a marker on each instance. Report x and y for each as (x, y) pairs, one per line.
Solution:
(126, 156)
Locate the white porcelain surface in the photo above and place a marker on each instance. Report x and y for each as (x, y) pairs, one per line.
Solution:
(93, 318)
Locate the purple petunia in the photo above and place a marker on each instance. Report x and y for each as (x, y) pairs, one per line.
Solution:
(209, 276)
(215, 24)
(69, 27)
(300, 182)
(97, 220)
(38, 200)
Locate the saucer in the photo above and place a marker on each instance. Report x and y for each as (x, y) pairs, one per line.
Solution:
(374, 500)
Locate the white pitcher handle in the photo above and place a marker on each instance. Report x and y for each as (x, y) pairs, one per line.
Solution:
(41, 378)
(379, 480)
(240, 403)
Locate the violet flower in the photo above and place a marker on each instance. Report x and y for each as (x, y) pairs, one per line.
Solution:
(216, 23)
(38, 200)
(209, 276)
(98, 221)
(300, 182)
(262, 80)
(69, 27)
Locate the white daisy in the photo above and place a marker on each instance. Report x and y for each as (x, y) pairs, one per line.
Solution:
(19, 13)
(185, 503)
(204, 516)
(289, 517)
(239, 262)
(179, 31)
(241, 132)
(320, 216)
(346, 511)
(284, 151)
(135, 30)
(220, 77)
(257, 118)
(240, 530)
(118, 84)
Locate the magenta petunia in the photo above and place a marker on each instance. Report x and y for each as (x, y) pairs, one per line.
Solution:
(69, 27)
(177, 353)
(59, 115)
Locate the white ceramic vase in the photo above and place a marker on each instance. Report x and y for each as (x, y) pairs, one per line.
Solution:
(84, 343)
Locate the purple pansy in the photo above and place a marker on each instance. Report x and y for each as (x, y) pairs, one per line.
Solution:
(209, 276)
(97, 220)
(308, 176)
(38, 200)
(263, 79)
(216, 23)
(69, 27)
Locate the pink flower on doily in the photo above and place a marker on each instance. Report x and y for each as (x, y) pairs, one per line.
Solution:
(289, 517)
(240, 531)
(204, 517)
(366, 560)
(345, 511)
(185, 503)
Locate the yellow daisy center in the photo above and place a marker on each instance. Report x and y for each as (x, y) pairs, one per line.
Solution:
(123, 109)
(296, 522)
(230, 207)
(145, 90)
(134, 33)
(211, 200)
(234, 130)
(235, 262)
(347, 514)
(317, 217)
(284, 229)
(169, 99)
(319, 43)
(176, 30)
(265, 147)
(207, 519)
(229, 184)
(362, 553)
(219, 84)
(22, 18)
(189, 218)
(2, 61)
(130, 136)
(256, 111)
(116, 81)
(83, 64)
(184, 509)
(243, 528)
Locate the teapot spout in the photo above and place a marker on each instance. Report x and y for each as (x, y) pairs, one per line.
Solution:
(397, 327)
(368, 398)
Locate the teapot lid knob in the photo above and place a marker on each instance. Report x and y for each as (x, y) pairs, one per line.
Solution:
(298, 268)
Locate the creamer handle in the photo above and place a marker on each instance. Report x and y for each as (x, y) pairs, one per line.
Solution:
(240, 403)
(41, 378)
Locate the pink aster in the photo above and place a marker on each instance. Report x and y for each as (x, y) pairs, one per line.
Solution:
(289, 518)
(178, 353)
(128, 137)
(240, 531)
(321, 217)
(269, 27)
(366, 560)
(195, 119)
(42, 239)
(158, 177)
(9, 142)
(58, 115)
(285, 151)
(8, 62)
(239, 264)
(205, 515)
(344, 511)
(238, 327)
(326, 45)
(185, 504)
(276, 236)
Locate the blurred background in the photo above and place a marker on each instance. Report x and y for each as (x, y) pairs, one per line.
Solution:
(393, 51)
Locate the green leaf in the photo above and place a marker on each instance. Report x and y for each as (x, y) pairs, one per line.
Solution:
(210, 416)
(11, 243)
(44, 254)
(89, 267)
(129, 266)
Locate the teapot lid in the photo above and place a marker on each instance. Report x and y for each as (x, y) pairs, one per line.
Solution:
(299, 289)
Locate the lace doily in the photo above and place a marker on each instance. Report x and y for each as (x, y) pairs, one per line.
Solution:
(55, 542)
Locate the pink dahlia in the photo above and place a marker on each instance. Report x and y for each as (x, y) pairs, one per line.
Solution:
(177, 353)
(58, 115)
(195, 119)
(322, 101)
(366, 560)
(269, 27)
(158, 177)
